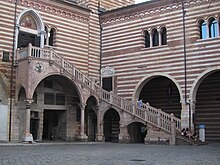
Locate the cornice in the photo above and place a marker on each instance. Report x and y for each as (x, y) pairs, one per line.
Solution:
(61, 11)
(150, 12)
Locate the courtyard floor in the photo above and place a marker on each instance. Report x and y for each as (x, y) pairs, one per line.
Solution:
(107, 154)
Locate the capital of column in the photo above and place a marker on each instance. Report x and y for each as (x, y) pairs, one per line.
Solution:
(82, 106)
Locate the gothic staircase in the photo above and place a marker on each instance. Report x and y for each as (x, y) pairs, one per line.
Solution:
(146, 113)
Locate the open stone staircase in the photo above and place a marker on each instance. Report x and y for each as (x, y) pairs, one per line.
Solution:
(155, 117)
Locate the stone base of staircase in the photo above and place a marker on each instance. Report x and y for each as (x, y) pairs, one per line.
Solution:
(156, 136)
(181, 140)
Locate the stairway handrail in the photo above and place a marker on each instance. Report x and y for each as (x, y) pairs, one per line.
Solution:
(147, 113)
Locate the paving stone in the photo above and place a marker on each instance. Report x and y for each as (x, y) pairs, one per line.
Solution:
(108, 154)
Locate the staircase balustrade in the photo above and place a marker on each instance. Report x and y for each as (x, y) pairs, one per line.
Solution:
(147, 113)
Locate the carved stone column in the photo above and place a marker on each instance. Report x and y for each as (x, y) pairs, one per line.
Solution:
(82, 136)
(28, 136)
(99, 134)
(124, 136)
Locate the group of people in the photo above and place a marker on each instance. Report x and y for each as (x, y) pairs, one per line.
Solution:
(187, 133)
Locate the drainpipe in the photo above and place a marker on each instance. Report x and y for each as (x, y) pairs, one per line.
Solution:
(12, 71)
(100, 25)
(185, 64)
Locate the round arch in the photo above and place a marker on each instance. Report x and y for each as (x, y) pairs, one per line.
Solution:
(48, 75)
(149, 77)
(198, 81)
(111, 125)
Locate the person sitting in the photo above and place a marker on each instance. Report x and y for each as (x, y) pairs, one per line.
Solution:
(183, 132)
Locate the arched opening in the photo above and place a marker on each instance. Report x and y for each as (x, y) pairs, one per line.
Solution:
(207, 110)
(202, 29)
(55, 110)
(163, 94)
(147, 39)
(91, 118)
(137, 132)
(30, 29)
(213, 28)
(155, 37)
(111, 126)
(163, 36)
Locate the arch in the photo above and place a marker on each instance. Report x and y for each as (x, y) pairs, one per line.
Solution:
(155, 37)
(106, 110)
(213, 27)
(48, 75)
(39, 23)
(146, 39)
(111, 125)
(202, 29)
(163, 32)
(149, 77)
(35, 15)
(137, 132)
(198, 81)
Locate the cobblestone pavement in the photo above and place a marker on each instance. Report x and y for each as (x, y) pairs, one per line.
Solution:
(107, 154)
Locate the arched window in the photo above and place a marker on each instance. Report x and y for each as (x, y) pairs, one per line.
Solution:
(155, 37)
(163, 36)
(202, 29)
(147, 39)
(213, 31)
(52, 36)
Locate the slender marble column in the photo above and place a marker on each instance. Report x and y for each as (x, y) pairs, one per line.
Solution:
(28, 136)
(82, 136)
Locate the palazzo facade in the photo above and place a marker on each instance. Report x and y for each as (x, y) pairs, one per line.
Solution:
(73, 70)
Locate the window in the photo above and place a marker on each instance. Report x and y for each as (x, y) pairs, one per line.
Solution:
(60, 99)
(213, 28)
(51, 37)
(203, 29)
(155, 37)
(6, 56)
(163, 36)
(49, 98)
(147, 39)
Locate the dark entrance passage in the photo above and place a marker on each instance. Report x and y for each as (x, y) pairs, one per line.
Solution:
(91, 125)
(137, 132)
(111, 126)
(162, 93)
(34, 125)
(207, 109)
(25, 38)
(54, 127)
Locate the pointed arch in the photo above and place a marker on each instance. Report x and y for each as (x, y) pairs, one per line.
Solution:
(39, 31)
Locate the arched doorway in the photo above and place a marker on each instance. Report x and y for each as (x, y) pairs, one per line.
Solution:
(162, 93)
(111, 125)
(56, 107)
(91, 118)
(207, 109)
(30, 29)
(137, 132)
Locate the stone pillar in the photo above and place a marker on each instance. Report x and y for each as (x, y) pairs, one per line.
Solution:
(41, 34)
(82, 136)
(28, 136)
(160, 37)
(124, 136)
(173, 131)
(99, 134)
